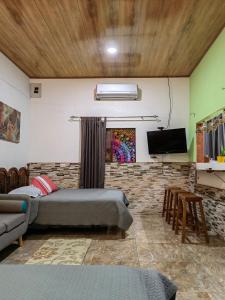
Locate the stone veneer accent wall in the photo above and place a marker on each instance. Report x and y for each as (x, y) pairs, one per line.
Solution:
(144, 185)
(214, 204)
(65, 175)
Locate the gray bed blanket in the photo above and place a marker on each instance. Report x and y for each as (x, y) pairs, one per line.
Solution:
(83, 207)
(48, 282)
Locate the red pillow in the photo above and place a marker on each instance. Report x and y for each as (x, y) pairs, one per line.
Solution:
(37, 182)
(50, 183)
(44, 184)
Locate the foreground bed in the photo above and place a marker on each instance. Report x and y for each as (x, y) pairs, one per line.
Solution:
(82, 207)
(19, 282)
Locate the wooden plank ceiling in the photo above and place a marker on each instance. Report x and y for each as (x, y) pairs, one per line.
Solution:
(69, 38)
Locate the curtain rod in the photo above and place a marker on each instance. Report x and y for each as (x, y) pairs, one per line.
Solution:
(123, 118)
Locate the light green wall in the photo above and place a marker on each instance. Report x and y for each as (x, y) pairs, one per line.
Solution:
(206, 83)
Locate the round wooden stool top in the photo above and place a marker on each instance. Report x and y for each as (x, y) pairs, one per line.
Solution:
(178, 191)
(189, 197)
(172, 187)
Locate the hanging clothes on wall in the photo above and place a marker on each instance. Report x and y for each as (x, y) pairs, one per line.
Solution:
(221, 132)
(214, 136)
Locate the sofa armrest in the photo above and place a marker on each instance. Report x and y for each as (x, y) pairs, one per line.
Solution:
(13, 206)
(15, 197)
(20, 197)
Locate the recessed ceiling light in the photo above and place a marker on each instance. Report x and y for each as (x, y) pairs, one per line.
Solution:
(112, 50)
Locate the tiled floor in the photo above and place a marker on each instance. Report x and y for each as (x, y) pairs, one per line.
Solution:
(197, 269)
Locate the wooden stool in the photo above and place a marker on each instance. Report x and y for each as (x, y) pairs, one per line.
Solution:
(166, 199)
(187, 215)
(170, 201)
(173, 205)
(166, 195)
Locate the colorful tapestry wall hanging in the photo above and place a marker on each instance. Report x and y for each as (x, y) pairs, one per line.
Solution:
(121, 145)
(9, 123)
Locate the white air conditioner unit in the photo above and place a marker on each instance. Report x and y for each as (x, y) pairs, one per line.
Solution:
(116, 92)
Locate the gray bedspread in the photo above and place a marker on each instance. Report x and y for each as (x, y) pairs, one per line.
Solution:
(82, 207)
(19, 282)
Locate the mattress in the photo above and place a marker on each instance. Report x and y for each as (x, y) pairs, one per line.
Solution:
(82, 207)
(23, 282)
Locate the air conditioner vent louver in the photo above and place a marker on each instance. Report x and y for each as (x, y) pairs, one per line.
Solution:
(116, 92)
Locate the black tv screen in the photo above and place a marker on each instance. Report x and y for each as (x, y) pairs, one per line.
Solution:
(167, 141)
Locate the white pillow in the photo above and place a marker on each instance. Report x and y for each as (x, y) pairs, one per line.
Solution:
(29, 190)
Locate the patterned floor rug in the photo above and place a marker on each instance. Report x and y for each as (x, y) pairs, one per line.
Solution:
(61, 252)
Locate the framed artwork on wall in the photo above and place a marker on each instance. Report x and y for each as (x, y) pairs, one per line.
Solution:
(9, 123)
(121, 145)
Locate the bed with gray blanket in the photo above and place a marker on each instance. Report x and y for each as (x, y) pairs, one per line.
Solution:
(33, 282)
(82, 207)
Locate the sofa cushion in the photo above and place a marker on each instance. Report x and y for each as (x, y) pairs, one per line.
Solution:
(2, 227)
(12, 220)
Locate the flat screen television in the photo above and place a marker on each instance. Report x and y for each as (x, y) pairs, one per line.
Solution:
(167, 141)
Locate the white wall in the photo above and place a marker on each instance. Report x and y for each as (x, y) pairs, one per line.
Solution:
(14, 91)
(55, 139)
